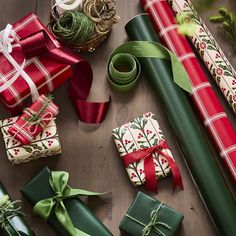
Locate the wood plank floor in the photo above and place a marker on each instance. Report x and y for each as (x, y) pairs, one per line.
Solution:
(89, 154)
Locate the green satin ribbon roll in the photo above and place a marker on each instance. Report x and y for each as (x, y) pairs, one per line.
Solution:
(127, 53)
(58, 181)
(123, 72)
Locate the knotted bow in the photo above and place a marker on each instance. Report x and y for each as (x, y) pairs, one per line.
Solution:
(39, 42)
(149, 166)
(58, 181)
(32, 128)
(8, 210)
(153, 223)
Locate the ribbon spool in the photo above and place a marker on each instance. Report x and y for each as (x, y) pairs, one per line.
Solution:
(123, 71)
(68, 5)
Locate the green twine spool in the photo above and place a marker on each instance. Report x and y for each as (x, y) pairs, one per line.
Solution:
(73, 27)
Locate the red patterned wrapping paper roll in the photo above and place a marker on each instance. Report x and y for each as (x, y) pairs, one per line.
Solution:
(208, 49)
(206, 101)
(25, 129)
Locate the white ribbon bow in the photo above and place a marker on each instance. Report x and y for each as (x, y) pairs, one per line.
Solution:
(7, 37)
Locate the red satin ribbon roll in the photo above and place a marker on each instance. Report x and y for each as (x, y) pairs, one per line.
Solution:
(149, 166)
(40, 43)
(206, 101)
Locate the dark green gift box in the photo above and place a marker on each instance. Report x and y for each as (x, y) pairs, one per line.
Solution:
(14, 225)
(82, 217)
(140, 213)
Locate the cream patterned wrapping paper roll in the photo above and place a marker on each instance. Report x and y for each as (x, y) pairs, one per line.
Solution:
(45, 144)
(142, 132)
(212, 55)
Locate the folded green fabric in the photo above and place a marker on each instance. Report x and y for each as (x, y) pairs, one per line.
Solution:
(192, 141)
(12, 223)
(39, 189)
(149, 217)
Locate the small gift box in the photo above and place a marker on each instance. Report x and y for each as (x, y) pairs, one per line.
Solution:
(147, 216)
(145, 153)
(34, 119)
(28, 63)
(60, 205)
(45, 144)
(12, 222)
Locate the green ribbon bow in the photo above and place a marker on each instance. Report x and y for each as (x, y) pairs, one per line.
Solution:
(8, 210)
(58, 181)
(146, 49)
(153, 224)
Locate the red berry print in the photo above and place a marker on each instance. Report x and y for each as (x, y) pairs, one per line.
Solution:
(50, 142)
(202, 45)
(219, 71)
(233, 82)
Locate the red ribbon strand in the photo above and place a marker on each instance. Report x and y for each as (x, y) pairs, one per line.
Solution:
(40, 43)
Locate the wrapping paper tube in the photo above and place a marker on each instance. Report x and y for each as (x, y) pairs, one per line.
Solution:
(198, 155)
(218, 65)
(206, 101)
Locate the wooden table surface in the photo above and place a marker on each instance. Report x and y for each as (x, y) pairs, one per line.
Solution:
(89, 154)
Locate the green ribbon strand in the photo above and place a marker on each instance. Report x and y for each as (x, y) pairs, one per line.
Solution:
(153, 224)
(145, 49)
(58, 181)
(8, 210)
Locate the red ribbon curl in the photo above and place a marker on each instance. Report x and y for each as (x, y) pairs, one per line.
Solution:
(39, 43)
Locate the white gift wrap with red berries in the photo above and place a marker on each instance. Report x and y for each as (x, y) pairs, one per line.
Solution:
(45, 144)
(210, 52)
(142, 132)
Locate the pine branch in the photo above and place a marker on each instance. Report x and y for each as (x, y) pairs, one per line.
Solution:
(227, 27)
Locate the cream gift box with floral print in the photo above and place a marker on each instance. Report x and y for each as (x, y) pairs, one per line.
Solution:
(142, 132)
(45, 144)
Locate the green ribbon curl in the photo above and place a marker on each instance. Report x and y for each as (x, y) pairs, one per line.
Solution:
(58, 181)
(146, 49)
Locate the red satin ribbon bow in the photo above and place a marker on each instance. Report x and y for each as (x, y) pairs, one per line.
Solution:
(149, 166)
(40, 43)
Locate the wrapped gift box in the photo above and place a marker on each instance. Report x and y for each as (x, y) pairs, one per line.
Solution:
(145, 213)
(81, 216)
(46, 73)
(34, 120)
(45, 144)
(142, 132)
(14, 224)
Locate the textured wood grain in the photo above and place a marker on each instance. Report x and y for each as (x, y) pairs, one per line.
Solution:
(89, 154)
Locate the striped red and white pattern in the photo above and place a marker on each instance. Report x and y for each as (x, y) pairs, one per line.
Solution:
(23, 130)
(206, 101)
(46, 73)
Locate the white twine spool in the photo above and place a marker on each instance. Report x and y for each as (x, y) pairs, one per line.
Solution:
(68, 5)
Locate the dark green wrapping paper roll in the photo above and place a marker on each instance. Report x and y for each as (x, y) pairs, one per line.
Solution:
(16, 225)
(140, 211)
(198, 156)
(82, 217)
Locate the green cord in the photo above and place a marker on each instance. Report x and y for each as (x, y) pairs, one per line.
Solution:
(73, 27)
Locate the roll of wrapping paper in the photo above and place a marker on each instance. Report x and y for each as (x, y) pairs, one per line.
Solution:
(218, 65)
(198, 155)
(206, 101)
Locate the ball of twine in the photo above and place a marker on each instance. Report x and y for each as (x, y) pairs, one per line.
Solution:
(73, 27)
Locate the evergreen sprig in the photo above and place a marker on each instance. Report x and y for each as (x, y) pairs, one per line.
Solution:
(37, 115)
(227, 27)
